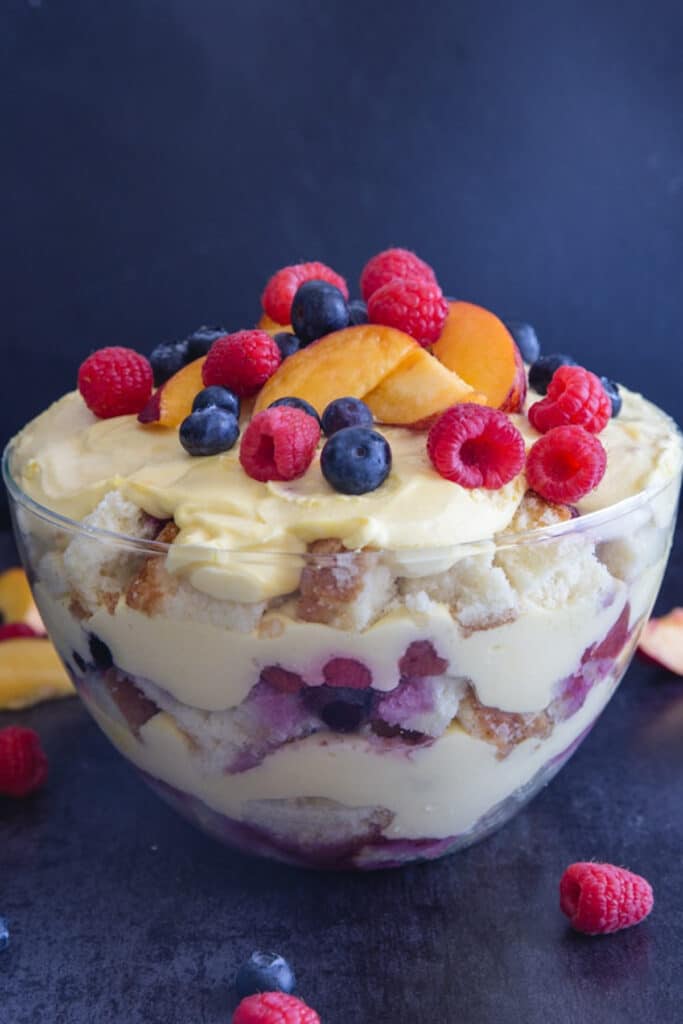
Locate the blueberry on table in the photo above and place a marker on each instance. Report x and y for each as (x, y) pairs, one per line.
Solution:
(201, 340)
(345, 412)
(356, 460)
(613, 393)
(358, 312)
(318, 308)
(219, 397)
(541, 371)
(526, 340)
(287, 342)
(166, 359)
(264, 972)
(296, 403)
(209, 431)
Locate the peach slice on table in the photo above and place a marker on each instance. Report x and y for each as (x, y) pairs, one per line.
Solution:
(172, 402)
(349, 362)
(30, 672)
(16, 600)
(477, 346)
(662, 641)
(417, 391)
(271, 327)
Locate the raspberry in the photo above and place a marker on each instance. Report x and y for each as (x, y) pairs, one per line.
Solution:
(415, 306)
(392, 263)
(280, 291)
(565, 464)
(281, 679)
(242, 362)
(347, 672)
(279, 444)
(115, 382)
(16, 630)
(475, 446)
(274, 1008)
(23, 765)
(420, 659)
(601, 898)
(574, 396)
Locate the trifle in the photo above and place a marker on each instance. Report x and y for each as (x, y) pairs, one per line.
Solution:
(349, 587)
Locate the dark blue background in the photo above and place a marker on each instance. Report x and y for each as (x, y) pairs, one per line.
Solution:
(161, 158)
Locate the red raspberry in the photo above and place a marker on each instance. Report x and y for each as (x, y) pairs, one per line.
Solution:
(279, 444)
(115, 382)
(574, 396)
(23, 765)
(347, 672)
(242, 361)
(281, 679)
(392, 263)
(475, 446)
(565, 464)
(279, 293)
(602, 898)
(274, 1008)
(15, 630)
(415, 306)
(420, 659)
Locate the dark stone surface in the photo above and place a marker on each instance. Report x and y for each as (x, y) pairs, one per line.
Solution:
(119, 911)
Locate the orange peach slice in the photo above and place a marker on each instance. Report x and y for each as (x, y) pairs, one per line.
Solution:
(30, 672)
(349, 362)
(172, 402)
(16, 600)
(418, 389)
(662, 641)
(477, 346)
(271, 327)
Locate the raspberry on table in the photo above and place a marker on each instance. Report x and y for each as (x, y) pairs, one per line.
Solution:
(390, 264)
(601, 898)
(279, 444)
(575, 396)
(415, 306)
(115, 381)
(565, 464)
(274, 1008)
(242, 362)
(23, 764)
(475, 446)
(279, 293)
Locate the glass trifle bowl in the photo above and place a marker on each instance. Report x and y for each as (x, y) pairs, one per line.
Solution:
(329, 703)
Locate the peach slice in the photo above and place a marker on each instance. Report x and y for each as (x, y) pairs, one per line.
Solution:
(476, 345)
(271, 327)
(417, 390)
(16, 600)
(30, 671)
(662, 641)
(172, 402)
(348, 362)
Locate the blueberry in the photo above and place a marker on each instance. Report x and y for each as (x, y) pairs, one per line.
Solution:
(317, 309)
(166, 359)
(526, 340)
(542, 369)
(345, 412)
(356, 460)
(341, 708)
(296, 403)
(201, 340)
(287, 343)
(264, 972)
(100, 653)
(613, 393)
(4, 934)
(209, 431)
(218, 397)
(358, 312)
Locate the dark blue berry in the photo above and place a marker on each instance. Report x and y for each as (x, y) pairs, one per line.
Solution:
(264, 972)
(201, 340)
(345, 412)
(4, 934)
(317, 309)
(287, 343)
(358, 312)
(526, 340)
(166, 359)
(356, 460)
(218, 397)
(542, 369)
(296, 403)
(341, 708)
(209, 431)
(100, 653)
(613, 393)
